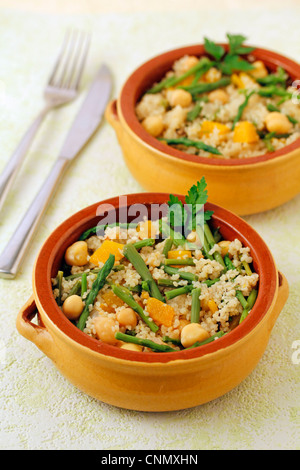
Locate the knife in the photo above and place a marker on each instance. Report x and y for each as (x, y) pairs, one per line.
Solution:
(83, 127)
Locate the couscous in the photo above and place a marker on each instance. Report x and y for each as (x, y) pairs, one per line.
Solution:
(148, 287)
(223, 104)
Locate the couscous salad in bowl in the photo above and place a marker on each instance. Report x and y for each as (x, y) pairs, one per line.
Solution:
(158, 312)
(227, 111)
(224, 104)
(131, 287)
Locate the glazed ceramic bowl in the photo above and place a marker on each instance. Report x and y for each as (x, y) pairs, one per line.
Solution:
(244, 186)
(150, 381)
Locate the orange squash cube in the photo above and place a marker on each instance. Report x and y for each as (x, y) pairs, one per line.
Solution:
(161, 313)
(245, 132)
(207, 127)
(179, 254)
(108, 247)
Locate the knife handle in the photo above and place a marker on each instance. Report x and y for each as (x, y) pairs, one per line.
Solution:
(14, 251)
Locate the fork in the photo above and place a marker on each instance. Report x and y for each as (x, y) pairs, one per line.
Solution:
(61, 88)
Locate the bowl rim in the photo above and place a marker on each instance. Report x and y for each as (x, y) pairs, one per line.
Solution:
(69, 231)
(134, 85)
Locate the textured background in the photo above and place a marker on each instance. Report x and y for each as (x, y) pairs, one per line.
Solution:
(39, 409)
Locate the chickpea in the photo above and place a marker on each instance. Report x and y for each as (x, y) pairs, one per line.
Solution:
(192, 333)
(131, 347)
(218, 95)
(106, 329)
(189, 62)
(212, 75)
(154, 125)
(224, 245)
(277, 122)
(146, 230)
(259, 70)
(179, 98)
(72, 307)
(127, 317)
(77, 254)
(192, 236)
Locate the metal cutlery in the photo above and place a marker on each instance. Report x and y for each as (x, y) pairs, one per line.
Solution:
(62, 87)
(84, 126)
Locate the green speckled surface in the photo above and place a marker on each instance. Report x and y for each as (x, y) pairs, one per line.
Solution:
(39, 408)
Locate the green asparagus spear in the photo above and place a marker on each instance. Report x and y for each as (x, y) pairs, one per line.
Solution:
(137, 261)
(192, 143)
(143, 342)
(101, 228)
(211, 242)
(75, 289)
(208, 340)
(194, 113)
(203, 65)
(167, 339)
(167, 231)
(179, 291)
(211, 282)
(59, 279)
(195, 309)
(167, 283)
(167, 246)
(251, 301)
(96, 287)
(118, 267)
(83, 284)
(182, 274)
(146, 242)
(181, 262)
(247, 268)
(242, 299)
(241, 108)
(129, 300)
(229, 264)
(205, 244)
(206, 87)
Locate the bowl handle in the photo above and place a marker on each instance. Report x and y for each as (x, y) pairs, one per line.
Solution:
(36, 333)
(111, 115)
(283, 293)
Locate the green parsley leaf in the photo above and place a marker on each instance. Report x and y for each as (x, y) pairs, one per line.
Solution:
(234, 63)
(197, 193)
(207, 215)
(213, 49)
(196, 198)
(177, 215)
(235, 41)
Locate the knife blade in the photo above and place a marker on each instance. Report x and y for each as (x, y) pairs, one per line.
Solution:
(89, 115)
(84, 126)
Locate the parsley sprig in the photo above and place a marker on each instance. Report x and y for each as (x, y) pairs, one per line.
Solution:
(232, 61)
(186, 217)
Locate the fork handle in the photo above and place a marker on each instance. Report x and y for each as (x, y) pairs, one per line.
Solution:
(14, 163)
(14, 251)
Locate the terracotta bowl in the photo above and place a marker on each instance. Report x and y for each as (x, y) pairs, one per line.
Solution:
(244, 186)
(150, 381)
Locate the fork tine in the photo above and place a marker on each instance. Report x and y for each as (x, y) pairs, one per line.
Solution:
(82, 56)
(67, 59)
(79, 57)
(59, 59)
